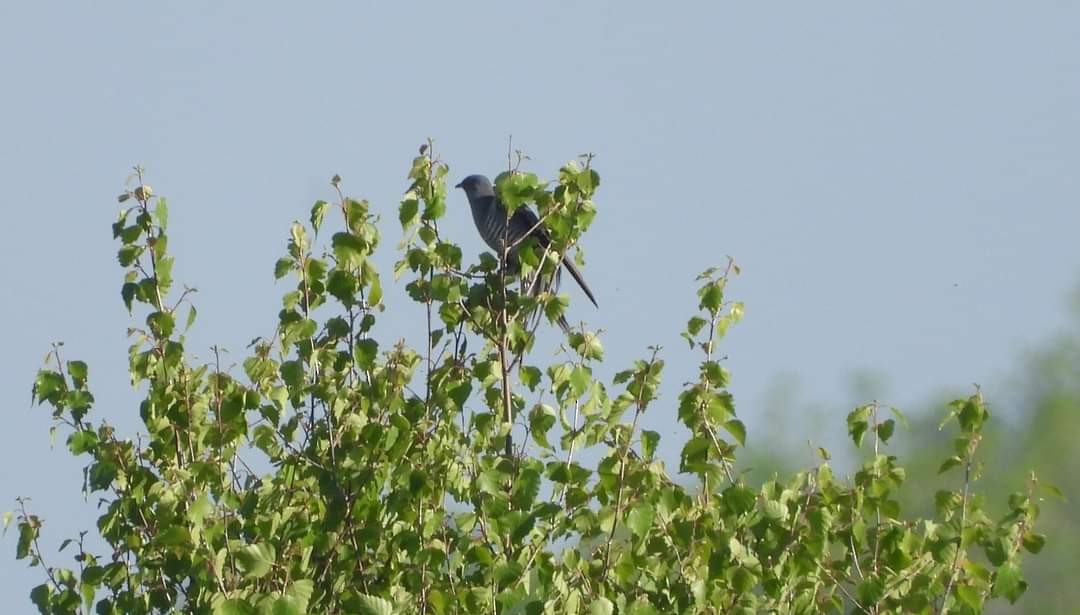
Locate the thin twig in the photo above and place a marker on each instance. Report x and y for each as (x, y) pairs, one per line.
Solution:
(640, 403)
(972, 445)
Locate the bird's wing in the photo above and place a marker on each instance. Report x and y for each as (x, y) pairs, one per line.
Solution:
(525, 219)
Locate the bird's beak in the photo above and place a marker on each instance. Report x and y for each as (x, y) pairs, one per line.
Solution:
(458, 185)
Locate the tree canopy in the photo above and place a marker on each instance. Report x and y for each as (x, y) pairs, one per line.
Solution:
(344, 473)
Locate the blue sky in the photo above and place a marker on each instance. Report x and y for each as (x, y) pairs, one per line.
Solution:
(898, 181)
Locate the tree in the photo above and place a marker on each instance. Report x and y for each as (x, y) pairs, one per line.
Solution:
(397, 483)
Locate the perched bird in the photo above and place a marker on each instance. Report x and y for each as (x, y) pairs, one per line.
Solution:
(489, 214)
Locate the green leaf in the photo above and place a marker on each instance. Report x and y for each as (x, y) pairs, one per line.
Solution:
(256, 560)
(27, 534)
(541, 419)
(199, 509)
(130, 234)
(997, 551)
(92, 575)
(775, 510)
(174, 535)
(349, 249)
(530, 376)
(1009, 583)
(580, 377)
(972, 414)
(127, 293)
(283, 266)
(128, 255)
(649, 441)
(743, 580)
(298, 595)
(1052, 490)
(969, 596)
(858, 423)
(739, 498)
(78, 372)
(491, 482)
(161, 324)
(602, 606)
(292, 372)
(287, 606)
(343, 286)
(407, 212)
(366, 352)
(587, 345)
(373, 605)
(82, 441)
(358, 221)
(1034, 542)
(191, 315)
(315, 270)
(737, 430)
(101, 474)
(49, 386)
(40, 597)
(640, 519)
(641, 606)
(712, 297)
(79, 402)
(949, 464)
(371, 277)
(526, 488)
(147, 292)
(161, 213)
(885, 430)
(695, 325)
(318, 210)
(524, 524)
(434, 209)
(418, 481)
(870, 591)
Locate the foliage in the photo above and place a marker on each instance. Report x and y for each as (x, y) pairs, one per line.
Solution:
(1038, 429)
(396, 485)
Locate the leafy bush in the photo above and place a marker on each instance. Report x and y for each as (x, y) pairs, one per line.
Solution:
(448, 480)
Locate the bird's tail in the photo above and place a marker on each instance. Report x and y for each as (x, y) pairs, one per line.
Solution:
(580, 279)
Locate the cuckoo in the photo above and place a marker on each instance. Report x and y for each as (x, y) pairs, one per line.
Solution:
(490, 217)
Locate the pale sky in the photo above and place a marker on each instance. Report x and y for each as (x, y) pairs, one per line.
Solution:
(898, 181)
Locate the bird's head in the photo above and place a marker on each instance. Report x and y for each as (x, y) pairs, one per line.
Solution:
(476, 186)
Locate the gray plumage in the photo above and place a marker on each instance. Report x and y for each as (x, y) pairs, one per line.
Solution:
(489, 214)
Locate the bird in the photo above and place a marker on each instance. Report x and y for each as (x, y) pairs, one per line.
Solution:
(489, 214)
